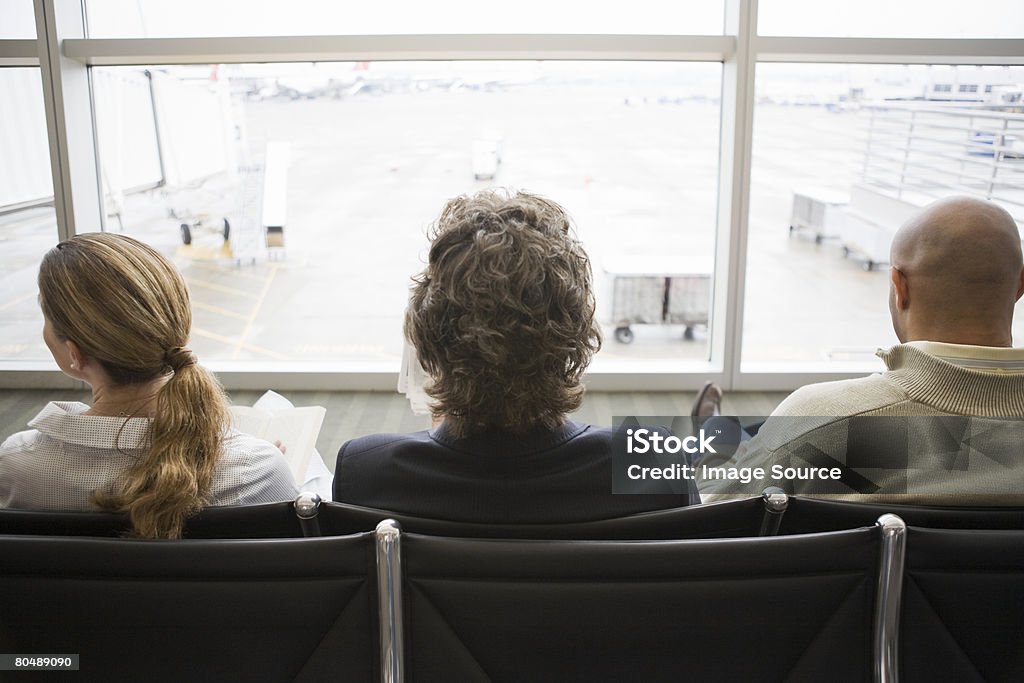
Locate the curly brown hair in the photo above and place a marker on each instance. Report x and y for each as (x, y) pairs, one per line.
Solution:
(502, 318)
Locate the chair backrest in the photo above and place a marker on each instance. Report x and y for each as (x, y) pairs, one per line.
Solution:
(963, 605)
(778, 608)
(103, 524)
(717, 520)
(245, 610)
(270, 520)
(809, 515)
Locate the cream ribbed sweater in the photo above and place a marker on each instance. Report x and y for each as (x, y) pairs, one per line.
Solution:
(980, 463)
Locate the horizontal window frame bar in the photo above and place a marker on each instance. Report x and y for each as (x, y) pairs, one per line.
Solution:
(248, 50)
(973, 51)
(264, 49)
(18, 52)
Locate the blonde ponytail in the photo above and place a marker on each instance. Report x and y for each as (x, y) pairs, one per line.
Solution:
(173, 481)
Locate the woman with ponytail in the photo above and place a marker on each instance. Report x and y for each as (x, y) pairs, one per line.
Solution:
(157, 441)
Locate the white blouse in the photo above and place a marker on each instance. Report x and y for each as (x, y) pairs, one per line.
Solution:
(67, 455)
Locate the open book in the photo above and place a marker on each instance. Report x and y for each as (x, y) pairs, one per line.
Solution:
(275, 419)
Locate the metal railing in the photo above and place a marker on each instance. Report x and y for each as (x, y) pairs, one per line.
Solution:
(923, 152)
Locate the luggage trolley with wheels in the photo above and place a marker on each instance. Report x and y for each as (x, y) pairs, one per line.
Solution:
(192, 223)
(819, 211)
(662, 296)
(220, 229)
(212, 194)
(254, 200)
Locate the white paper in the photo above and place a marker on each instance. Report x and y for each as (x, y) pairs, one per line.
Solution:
(411, 380)
(274, 418)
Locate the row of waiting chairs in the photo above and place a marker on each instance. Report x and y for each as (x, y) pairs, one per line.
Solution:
(776, 588)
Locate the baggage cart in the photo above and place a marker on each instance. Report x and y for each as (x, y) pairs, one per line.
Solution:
(642, 295)
(819, 211)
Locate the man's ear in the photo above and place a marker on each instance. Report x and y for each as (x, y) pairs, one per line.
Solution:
(901, 287)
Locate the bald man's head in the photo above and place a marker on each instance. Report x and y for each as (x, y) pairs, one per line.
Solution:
(957, 272)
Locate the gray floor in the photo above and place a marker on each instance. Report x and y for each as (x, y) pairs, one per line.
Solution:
(352, 414)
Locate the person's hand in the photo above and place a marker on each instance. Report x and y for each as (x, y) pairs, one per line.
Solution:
(281, 447)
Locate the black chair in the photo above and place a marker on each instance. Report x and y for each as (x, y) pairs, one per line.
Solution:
(795, 608)
(102, 524)
(228, 610)
(963, 607)
(293, 519)
(729, 519)
(810, 515)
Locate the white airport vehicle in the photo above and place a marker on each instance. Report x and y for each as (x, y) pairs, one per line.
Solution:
(819, 211)
(486, 158)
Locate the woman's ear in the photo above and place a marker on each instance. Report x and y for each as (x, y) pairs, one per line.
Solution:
(76, 357)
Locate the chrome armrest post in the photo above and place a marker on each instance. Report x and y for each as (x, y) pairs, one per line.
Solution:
(389, 600)
(775, 503)
(307, 507)
(889, 598)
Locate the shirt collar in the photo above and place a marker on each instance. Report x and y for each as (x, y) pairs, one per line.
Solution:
(66, 421)
(985, 358)
(498, 442)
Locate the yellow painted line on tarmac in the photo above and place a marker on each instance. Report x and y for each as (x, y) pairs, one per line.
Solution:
(214, 336)
(221, 269)
(17, 300)
(219, 311)
(236, 343)
(221, 288)
(255, 311)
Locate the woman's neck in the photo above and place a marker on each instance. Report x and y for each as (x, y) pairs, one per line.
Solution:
(125, 400)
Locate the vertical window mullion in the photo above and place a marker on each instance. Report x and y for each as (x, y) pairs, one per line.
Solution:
(77, 188)
(734, 190)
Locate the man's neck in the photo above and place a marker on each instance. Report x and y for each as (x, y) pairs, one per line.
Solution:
(1001, 339)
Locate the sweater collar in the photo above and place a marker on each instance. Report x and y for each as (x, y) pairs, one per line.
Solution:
(953, 388)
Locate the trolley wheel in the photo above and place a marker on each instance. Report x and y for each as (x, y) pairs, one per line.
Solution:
(791, 229)
(227, 229)
(688, 333)
(624, 335)
(186, 234)
(869, 265)
(819, 238)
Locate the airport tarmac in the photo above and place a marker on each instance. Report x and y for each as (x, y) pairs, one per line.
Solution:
(368, 175)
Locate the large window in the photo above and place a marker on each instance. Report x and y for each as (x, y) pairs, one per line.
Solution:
(355, 160)
(842, 154)
(735, 168)
(887, 19)
(18, 20)
(28, 226)
(187, 18)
